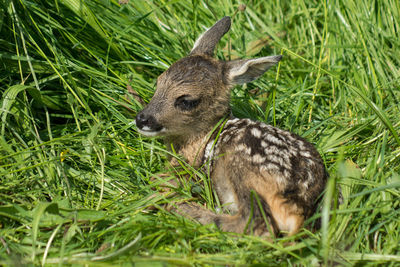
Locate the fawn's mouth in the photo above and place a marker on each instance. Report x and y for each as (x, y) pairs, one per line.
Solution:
(147, 131)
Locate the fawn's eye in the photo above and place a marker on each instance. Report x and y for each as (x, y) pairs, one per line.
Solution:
(186, 102)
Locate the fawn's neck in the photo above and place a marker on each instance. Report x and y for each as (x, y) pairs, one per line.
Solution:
(191, 148)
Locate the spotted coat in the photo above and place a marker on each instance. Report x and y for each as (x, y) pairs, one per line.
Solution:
(262, 176)
(291, 159)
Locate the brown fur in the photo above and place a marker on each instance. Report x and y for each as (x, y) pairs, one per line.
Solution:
(264, 177)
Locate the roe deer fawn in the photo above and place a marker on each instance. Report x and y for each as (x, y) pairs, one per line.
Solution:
(247, 157)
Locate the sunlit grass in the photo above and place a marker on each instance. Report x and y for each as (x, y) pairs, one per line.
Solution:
(75, 175)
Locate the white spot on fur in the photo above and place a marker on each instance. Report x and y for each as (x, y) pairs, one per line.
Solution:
(305, 185)
(243, 148)
(250, 122)
(305, 154)
(232, 121)
(273, 139)
(280, 160)
(286, 173)
(301, 145)
(271, 150)
(226, 138)
(256, 132)
(264, 144)
(257, 158)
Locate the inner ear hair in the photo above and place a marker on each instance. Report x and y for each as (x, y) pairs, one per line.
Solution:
(207, 42)
(247, 70)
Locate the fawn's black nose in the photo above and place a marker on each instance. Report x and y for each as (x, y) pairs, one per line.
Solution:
(147, 122)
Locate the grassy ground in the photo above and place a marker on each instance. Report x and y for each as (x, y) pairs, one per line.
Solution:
(74, 173)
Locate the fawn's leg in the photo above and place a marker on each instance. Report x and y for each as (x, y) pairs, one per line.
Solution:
(237, 223)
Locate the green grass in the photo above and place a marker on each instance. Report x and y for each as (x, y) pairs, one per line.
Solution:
(74, 173)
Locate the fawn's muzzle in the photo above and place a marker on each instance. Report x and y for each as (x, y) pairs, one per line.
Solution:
(147, 124)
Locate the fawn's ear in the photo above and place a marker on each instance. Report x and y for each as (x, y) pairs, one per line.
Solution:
(247, 70)
(207, 42)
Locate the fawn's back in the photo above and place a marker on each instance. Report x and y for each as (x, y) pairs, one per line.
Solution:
(255, 169)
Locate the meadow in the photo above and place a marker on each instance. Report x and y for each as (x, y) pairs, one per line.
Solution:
(76, 183)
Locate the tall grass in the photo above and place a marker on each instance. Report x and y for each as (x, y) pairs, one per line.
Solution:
(75, 175)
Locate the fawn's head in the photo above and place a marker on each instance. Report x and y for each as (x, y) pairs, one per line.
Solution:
(193, 94)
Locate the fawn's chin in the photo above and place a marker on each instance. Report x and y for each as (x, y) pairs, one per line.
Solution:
(149, 133)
